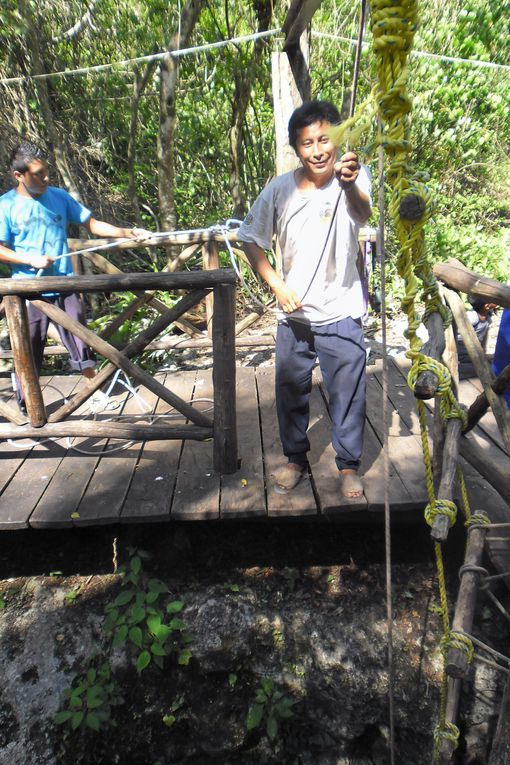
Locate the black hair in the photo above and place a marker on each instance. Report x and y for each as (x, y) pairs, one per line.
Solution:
(478, 303)
(23, 155)
(308, 113)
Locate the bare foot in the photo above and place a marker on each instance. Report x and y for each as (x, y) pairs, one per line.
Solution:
(352, 488)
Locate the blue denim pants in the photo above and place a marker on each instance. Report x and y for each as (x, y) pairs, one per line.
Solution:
(340, 349)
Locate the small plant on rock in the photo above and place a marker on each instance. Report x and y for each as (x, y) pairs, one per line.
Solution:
(90, 700)
(271, 708)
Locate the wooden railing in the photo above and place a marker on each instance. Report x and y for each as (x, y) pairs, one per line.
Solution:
(218, 283)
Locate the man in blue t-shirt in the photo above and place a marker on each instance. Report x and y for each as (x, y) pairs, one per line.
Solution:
(34, 218)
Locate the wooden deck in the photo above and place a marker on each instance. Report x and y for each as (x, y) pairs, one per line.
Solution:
(51, 485)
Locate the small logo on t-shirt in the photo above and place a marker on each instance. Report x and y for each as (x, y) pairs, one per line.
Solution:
(326, 212)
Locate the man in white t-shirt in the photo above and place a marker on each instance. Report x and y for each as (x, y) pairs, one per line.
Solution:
(315, 211)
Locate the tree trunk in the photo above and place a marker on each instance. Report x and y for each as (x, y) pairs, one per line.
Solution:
(139, 85)
(169, 71)
(43, 95)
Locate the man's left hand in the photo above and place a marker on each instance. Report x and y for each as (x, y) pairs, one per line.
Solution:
(139, 234)
(347, 170)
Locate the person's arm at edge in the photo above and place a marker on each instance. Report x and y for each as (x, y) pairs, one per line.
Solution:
(108, 231)
(286, 297)
(11, 256)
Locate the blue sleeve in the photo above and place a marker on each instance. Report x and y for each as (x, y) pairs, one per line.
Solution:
(5, 228)
(76, 212)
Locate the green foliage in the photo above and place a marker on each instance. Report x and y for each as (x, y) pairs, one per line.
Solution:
(142, 619)
(270, 710)
(139, 619)
(89, 701)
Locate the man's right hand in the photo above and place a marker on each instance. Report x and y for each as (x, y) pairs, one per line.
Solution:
(287, 298)
(40, 261)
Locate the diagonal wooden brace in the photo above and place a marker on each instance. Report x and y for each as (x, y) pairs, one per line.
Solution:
(121, 361)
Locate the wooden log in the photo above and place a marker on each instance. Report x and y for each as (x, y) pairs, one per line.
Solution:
(498, 478)
(455, 274)
(427, 382)
(122, 282)
(248, 321)
(12, 414)
(172, 238)
(132, 349)
(438, 435)
(210, 262)
(481, 365)
(224, 380)
(447, 748)
(480, 405)
(121, 361)
(176, 342)
(500, 751)
(17, 320)
(101, 429)
(456, 660)
(297, 19)
(441, 524)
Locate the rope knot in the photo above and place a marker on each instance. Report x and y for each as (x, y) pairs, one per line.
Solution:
(446, 732)
(479, 518)
(459, 641)
(440, 507)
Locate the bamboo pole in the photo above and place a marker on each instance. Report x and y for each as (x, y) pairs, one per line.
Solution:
(17, 320)
(456, 660)
(447, 747)
(12, 414)
(500, 752)
(224, 380)
(133, 348)
(481, 365)
(121, 361)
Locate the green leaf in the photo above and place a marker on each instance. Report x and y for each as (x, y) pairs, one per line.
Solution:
(120, 635)
(124, 597)
(169, 720)
(156, 585)
(254, 717)
(143, 661)
(95, 697)
(152, 597)
(232, 679)
(136, 637)
(184, 657)
(91, 676)
(76, 720)
(136, 565)
(93, 721)
(158, 650)
(272, 727)
(162, 632)
(78, 690)
(3, 603)
(158, 661)
(137, 615)
(63, 716)
(267, 685)
(175, 607)
(177, 624)
(154, 623)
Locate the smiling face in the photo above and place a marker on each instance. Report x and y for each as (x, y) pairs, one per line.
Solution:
(35, 180)
(316, 152)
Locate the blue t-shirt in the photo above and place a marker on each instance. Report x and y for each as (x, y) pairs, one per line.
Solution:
(39, 227)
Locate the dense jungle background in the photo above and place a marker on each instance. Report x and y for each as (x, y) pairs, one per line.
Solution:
(186, 142)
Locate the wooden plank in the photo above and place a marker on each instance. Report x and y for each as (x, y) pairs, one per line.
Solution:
(150, 493)
(35, 469)
(106, 491)
(373, 473)
(399, 394)
(325, 474)
(243, 492)
(69, 481)
(197, 492)
(301, 500)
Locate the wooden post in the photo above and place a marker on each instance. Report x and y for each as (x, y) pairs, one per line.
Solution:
(480, 405)
(452, 709)
(500, 752)
(481, 365)
(456, 661)
(456, 275)
(210, 261)
(427, 382)
(224, 380)
(441, 524)
(17, 319)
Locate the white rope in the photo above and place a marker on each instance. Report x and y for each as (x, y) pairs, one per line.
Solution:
(419, 53)
(141, 59)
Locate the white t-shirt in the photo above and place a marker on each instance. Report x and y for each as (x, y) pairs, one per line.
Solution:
(301, 221)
